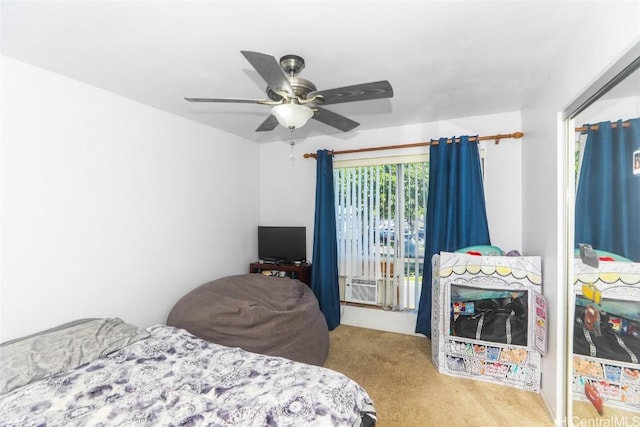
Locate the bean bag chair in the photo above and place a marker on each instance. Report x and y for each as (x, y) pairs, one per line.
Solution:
(258, 313)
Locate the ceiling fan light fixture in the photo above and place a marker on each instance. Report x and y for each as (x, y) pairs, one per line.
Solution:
(292, 115)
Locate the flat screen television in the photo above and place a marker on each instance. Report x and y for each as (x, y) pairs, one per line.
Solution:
(282, 244)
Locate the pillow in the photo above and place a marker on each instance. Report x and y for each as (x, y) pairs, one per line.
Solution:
(59, 349)
(486, 250)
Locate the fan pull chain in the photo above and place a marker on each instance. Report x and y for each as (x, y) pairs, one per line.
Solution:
(291, 144)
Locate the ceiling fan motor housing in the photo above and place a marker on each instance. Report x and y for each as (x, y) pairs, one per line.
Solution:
(301, 87)
(292, 65)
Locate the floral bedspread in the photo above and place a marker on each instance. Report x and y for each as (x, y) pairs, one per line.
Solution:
(175, 379)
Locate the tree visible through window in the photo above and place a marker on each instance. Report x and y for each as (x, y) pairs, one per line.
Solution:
(380, 225)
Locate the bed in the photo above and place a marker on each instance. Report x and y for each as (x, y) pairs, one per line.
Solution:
(105, 372)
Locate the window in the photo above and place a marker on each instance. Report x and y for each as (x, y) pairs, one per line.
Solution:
(581, 139)
(380, 213)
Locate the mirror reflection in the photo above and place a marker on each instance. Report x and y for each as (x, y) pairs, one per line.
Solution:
(604, 325)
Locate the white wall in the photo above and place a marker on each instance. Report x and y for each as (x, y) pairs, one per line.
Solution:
(606, 31)
(111, 208)
(295, 181)
(610, 110)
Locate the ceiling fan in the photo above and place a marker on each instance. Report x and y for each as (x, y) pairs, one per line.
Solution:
(295, 100)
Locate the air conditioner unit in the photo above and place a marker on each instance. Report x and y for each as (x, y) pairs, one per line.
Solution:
(364, 291)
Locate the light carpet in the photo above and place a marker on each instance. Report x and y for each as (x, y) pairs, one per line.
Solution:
(397, 372)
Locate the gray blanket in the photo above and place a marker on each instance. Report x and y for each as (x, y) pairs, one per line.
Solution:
(261, 314)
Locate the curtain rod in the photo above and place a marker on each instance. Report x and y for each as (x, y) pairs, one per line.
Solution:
(584, 129)
(495, 138)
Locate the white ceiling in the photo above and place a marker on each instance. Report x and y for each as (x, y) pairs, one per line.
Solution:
(444, 59)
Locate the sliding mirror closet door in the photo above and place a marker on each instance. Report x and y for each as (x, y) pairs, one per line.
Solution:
(604, 277)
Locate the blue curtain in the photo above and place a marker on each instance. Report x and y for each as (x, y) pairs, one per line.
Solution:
(324, 270)
(608, 196)
(456, 215)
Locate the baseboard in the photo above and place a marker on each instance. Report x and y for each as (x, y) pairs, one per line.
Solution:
(400, 322)
(557, 422)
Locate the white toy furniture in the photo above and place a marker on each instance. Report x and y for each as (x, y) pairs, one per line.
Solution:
(614, 288)
(460, 278)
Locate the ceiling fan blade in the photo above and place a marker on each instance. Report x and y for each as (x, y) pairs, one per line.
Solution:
(333, 119)
(237, 100)
(270, 124)
(269, 68)
(361, 92)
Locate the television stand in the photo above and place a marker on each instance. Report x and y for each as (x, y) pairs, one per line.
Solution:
(301, 272)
